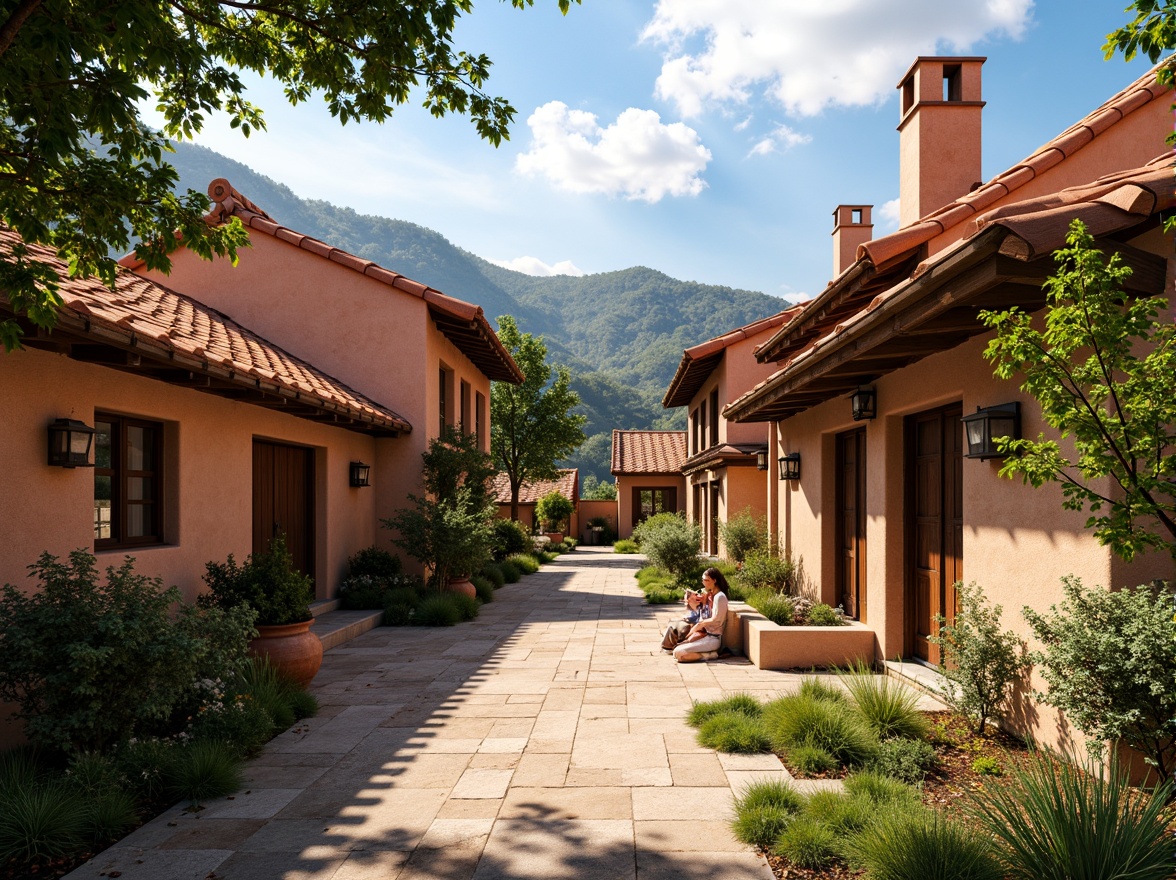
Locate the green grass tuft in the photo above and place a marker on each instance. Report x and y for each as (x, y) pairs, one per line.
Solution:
(736, 702)
(734, 732)
(202, 770)
(808, 843)
(889, 707)
(437, 610)
(524, 562)
(921, 845)
(812, 760)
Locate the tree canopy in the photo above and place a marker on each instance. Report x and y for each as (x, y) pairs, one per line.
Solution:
(81, 172)
(1103, 368)
(532, 425)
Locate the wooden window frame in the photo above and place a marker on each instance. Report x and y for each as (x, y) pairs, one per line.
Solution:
(120, 474)
(714, 411)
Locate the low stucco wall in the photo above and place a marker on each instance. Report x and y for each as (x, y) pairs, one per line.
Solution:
(771, 646)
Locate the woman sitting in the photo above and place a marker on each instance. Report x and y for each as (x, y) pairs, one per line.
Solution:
(702, 642)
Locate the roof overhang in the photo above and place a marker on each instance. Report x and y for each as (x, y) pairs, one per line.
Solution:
(724, 455)
(929, 313)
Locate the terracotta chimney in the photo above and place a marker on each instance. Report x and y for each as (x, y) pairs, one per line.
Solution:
(851, 227)
(939, 135)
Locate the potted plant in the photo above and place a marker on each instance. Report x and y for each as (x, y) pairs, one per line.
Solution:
(596, 525)
(552, 510)
(280, 595)
(449, 530)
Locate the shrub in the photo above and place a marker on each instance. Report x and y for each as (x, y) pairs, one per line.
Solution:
(986, 765)
(733, 732)
(881, 790)
(742, 534)
(763, 811)
(919, 843)
(552, 510)
(437, 610)
(374, 562)
(525, 563)
(570, 543)
(625, 545)
(40, 821)
(403, 596)
(362, 592)
(807, 842)
(484, 587)
(1055, 822)
(906, 760)
(811, 760)
(776, 607)
(822, 615)
(108, 815)
(267, 582)
(143, 763)
(799, 720)
(304, 703)
(467, 606)
(234, 715)
(890, 708)
(1109, 658)
(762, 571)
(397, 614)
(91, 663)
(203, 769)
(510, 537)
(510, 572)
(736, 702)
(980, 662)
(840, 813)
(819, 689)
(658, 595)
(493, 573)
(671, 543)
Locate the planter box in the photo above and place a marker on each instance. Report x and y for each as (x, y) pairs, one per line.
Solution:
(771, 646)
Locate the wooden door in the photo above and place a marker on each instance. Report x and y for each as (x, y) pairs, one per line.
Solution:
(934, 525)
(283, 500)
(851, 522)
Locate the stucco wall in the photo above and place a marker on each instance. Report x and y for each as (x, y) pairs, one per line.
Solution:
(625, 487)
(208, 473)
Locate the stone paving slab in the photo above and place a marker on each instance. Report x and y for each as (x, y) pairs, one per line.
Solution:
(546, 739)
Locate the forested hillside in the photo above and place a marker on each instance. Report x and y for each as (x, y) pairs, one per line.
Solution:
(621, 334)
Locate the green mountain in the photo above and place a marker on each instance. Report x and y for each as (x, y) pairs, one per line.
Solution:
(621, 334)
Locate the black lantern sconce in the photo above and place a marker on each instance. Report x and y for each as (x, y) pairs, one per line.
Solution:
(790, 467)
(982, 427)
(360, 474)
(69, 443)
(864, 403)
(761, 460)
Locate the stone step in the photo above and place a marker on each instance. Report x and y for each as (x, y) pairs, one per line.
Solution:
(322, 607)
(925, 678)
(337, 627)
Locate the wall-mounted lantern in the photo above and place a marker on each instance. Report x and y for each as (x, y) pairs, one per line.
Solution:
(983, 427)
(69, 443)
(360, 474)
(790, 467)
(761, 460)
(864, 403)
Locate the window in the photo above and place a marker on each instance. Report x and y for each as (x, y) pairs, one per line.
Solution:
(445, 397)
(647, 502)
(128, 468)
(466, 427)
(714, 425)
(480, 420)
(700, 443)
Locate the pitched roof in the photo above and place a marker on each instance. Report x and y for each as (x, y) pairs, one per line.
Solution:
(699, 361)
(648, 452)
(723, 455)
(143, 327)
(463, 323)
(1002, 262)
(884, 261)
(530, 493)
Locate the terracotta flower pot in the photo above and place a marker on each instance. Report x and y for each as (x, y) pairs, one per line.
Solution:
(461, 585)
(292, 649)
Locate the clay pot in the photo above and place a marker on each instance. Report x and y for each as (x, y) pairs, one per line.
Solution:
(461, 585)
(293, 650)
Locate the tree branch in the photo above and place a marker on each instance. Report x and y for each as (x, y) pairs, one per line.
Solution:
(15, 22)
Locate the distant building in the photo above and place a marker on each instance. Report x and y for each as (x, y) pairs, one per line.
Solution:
(648, 469)
(568, 485)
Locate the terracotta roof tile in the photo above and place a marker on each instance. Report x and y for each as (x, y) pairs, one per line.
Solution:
(699, 361)
(529, 493)
(648, 452)
(161, 324)
(462, 322)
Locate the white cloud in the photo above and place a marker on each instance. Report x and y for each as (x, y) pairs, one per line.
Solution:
(535, 266)
(888, 215)
(742, 126)
(782, 138)
(636, 157)
(810, 55)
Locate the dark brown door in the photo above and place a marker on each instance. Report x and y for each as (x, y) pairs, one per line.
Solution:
(712, 521)
(934, 523)
(851, 522)
(283, 500)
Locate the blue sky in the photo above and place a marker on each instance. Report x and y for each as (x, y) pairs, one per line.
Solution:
(708, 139)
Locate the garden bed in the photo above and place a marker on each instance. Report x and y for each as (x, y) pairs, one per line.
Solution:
(771, 646)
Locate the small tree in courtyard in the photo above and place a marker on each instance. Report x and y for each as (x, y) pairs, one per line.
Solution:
(553, 510)
(532, 425)
(1103, 369)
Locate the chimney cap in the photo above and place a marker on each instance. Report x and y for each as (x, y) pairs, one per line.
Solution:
(942, 59)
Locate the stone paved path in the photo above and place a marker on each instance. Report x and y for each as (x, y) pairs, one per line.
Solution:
(543, 740)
